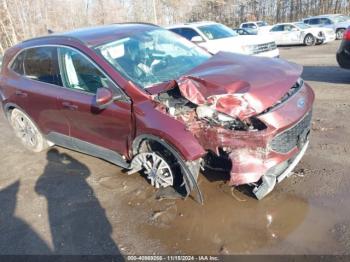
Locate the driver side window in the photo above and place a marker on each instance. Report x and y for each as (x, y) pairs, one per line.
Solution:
(288, 27)
(80, 73)
(326, 21)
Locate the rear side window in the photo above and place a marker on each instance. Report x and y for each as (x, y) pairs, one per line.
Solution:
(306, 21)
(315, 21)
(277, 28)
(249, 25)
(188, 33)
(17, 64)
(41, 64)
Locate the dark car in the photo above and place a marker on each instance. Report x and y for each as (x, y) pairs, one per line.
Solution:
(343, 53)
(245, 31)
(148, 100)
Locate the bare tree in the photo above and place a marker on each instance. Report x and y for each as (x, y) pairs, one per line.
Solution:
(22, 19)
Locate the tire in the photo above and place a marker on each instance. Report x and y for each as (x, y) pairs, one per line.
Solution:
(151, 152)
(309, 40)
(339, 33)
(27, 131)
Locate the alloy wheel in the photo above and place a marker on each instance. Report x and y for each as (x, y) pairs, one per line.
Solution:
(309, 40)
(25, 129)
(340, 33)
(156, 168)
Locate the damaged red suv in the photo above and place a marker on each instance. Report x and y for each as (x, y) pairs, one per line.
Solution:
(147, 100)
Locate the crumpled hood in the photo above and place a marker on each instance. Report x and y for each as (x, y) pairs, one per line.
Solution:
(239, 85)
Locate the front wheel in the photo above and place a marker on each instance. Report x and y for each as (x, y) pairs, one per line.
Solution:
(340, 33)
(27, 131)
(309, 40)
(163, 168)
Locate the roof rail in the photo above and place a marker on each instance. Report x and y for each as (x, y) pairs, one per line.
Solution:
(142, 23)
(53, 36)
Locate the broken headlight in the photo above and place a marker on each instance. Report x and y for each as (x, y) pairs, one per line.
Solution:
(216, 118)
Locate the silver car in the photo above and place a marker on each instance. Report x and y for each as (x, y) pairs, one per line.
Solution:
(339, 23)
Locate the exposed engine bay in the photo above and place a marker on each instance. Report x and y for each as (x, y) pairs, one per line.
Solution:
(182, 109)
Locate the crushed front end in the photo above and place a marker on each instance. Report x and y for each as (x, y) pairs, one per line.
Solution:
(264, 148)
(261, 127)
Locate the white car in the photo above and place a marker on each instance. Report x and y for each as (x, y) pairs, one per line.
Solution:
(216, 37)
(300, 33)
(337, 22)
(258, 26)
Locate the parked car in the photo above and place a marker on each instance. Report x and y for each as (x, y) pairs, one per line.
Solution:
(145, 99)
(245, 31)
(337, 22)
(216, 37)
(343, 53)
(257, 26)
(300, 33)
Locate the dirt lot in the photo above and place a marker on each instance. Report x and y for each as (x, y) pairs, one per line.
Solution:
(63, 202)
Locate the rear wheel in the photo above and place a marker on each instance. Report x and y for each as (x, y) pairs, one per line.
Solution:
(26, 131)
(309, 40)
(340, 33)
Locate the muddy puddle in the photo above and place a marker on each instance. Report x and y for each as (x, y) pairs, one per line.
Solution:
(226, 223)
(229, 221)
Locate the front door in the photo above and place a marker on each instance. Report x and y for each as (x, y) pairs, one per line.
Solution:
(277, 34)
(109, 128)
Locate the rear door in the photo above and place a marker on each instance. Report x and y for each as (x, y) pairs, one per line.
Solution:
(109, 128)
(37, 84)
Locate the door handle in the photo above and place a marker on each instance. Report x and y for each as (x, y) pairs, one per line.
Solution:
(20, 93)
(69, 105)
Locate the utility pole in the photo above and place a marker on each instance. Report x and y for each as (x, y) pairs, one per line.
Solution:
(155, 12)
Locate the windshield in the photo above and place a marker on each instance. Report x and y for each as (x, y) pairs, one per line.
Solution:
(262, 23)
(217, 31)
(302, 25)
(152, 57)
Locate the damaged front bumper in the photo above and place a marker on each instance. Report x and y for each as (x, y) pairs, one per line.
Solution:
(277, 173)
(264, 158)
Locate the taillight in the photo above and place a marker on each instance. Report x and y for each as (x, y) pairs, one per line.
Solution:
(346, 35)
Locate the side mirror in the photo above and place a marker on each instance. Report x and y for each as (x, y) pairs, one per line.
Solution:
(294, 29)
(197, 39)
(104, 97)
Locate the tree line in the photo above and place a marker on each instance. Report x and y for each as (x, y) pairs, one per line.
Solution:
(23, 19)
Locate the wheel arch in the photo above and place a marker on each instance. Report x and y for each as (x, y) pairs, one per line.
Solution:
(8, 107)
(340, 28)
(189, 177)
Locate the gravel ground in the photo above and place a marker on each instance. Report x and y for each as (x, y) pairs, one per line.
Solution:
(64, 202)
